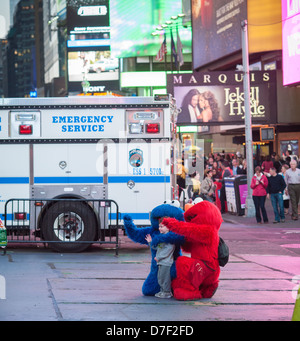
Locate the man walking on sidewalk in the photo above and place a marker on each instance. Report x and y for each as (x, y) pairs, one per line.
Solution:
(292, 179)
(276, 186)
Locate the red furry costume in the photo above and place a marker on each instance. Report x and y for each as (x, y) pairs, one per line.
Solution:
(198, 276)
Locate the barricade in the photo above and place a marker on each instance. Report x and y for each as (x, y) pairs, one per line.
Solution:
(66, 225)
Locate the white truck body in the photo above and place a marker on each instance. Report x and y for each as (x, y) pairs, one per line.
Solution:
(115, 148)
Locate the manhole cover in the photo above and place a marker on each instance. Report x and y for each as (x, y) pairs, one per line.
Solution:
(291, 246)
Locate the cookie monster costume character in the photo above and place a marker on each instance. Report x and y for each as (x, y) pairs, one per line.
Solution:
(138, 235)
(197, 277)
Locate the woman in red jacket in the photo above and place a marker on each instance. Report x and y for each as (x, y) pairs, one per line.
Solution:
(259, 183)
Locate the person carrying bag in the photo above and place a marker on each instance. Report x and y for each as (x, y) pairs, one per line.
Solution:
(208, 187)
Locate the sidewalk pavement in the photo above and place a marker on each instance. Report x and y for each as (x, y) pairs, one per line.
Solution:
(259, 283)
(244, 220)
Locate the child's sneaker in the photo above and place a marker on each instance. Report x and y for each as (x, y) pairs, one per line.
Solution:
(162, 294)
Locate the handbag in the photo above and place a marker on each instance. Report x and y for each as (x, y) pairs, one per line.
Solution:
(207, 197)
(223, 252)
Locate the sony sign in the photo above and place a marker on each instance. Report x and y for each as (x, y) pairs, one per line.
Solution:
(96, 88)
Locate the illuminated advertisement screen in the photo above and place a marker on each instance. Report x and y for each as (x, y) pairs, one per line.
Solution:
(95, 65)
(132, 23)
(91, 67)
(289, 145)
(217, 98)
(290, 41)
(264, 25)
(87, 17)
(216, 29)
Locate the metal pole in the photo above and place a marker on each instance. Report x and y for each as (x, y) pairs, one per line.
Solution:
(249, 211)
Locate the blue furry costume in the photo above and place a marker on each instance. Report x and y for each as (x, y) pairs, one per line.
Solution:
(138, 235)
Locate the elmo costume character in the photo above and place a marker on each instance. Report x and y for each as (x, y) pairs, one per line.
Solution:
(138, 235)
(198, 276)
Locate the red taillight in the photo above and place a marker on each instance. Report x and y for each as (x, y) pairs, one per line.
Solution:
(152, 128)
(20, 216)
(25, 129)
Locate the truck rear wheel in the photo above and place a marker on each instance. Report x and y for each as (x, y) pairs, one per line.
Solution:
(69, 222)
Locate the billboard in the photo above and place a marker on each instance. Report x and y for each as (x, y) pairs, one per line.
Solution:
(94, 65)
(290, 41)
(216, 29)
(132, 23)
(86, 18)
(216, 98)
(289, 145)
(91, 66)
(264, 29)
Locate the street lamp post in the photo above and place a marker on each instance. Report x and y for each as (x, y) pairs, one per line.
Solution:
(250, 211)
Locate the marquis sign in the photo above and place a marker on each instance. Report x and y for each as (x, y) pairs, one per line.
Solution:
(210, 98)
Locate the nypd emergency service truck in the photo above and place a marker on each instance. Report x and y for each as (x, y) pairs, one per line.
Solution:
(89, 148)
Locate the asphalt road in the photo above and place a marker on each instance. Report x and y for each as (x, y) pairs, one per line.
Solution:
(258, 284)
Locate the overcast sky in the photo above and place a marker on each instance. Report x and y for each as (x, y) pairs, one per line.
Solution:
(4, 18)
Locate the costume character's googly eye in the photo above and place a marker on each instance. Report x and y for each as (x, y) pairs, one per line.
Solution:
(197, 200)
(167, 202)
(175, 203)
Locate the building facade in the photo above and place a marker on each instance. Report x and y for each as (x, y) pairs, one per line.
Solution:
(21, 51)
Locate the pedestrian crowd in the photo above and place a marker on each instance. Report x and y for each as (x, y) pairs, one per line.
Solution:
(276, 178)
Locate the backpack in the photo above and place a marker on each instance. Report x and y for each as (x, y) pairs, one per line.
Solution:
(223, 252)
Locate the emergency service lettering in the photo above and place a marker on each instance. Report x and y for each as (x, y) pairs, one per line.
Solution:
(82, 120)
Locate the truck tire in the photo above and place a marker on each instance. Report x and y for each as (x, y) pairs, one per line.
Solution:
(69, 222)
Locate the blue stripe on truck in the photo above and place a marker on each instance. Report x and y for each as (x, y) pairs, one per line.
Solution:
(14, 180)
(84, 179)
